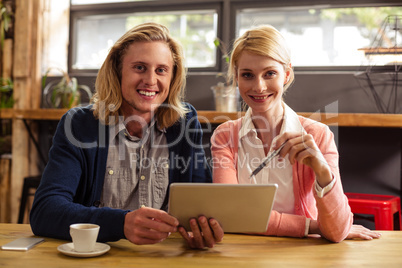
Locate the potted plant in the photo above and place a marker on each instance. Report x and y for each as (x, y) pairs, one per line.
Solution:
(6, 83)
(5, 22)
(63, 93)
(6, 101)
(226, 97)
(6, 93)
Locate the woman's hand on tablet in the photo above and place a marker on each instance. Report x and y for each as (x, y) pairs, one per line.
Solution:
(204, 233)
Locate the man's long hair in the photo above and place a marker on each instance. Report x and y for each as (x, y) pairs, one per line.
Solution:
(108, 98)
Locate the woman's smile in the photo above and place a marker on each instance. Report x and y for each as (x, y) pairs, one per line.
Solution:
(260, 80)
(260, 98)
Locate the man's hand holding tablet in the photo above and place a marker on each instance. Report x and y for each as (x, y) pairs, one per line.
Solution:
(207, 210)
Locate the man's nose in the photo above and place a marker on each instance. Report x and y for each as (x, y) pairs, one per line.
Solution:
(149, 78)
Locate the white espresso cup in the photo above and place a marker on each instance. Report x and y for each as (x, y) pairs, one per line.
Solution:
(84, 236)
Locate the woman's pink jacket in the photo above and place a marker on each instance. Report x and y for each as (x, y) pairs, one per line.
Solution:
(332, 211)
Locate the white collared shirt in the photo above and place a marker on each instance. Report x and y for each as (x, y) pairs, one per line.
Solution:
(251, 154)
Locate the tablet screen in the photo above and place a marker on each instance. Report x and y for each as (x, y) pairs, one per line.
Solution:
(238, 208)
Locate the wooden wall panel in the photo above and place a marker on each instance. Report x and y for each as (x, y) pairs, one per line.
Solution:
(7, 59)
(5, 194)
(26, 70)
(23, 37)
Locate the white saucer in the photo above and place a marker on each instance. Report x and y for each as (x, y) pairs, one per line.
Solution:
(68, 249)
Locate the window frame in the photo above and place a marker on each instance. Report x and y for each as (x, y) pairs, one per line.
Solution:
(77, 11)
(226, 31)
(239, 5)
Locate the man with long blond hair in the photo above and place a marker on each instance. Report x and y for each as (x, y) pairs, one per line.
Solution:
(112, 162)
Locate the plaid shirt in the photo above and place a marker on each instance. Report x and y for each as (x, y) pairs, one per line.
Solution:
(136, 169)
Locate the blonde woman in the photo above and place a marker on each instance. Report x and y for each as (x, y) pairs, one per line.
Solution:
(310, 198)
(111, 163)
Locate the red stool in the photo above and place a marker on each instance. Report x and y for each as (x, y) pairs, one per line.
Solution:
(383, 207)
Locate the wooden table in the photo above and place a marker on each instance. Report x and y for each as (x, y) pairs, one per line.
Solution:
(234, 251)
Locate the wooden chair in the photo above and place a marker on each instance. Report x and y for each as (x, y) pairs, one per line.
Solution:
(29, 183)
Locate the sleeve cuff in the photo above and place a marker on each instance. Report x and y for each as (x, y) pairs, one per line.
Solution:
(307, 227)
(322, 191)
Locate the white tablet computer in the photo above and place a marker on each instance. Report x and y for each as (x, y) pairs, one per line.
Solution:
(238, 208)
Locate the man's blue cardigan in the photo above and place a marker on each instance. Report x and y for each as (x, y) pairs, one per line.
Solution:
(72, 181)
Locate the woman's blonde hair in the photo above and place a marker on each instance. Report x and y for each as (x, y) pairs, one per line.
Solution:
(266, 41)
(108, 98)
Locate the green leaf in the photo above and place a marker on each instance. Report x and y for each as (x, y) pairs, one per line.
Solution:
(65, 92)
(44, 78)
(74, 85)
(6, 93)
(5, 22)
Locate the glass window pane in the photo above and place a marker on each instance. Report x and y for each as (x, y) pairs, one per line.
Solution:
(195, 30)
(326, 37)
(86, 2)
